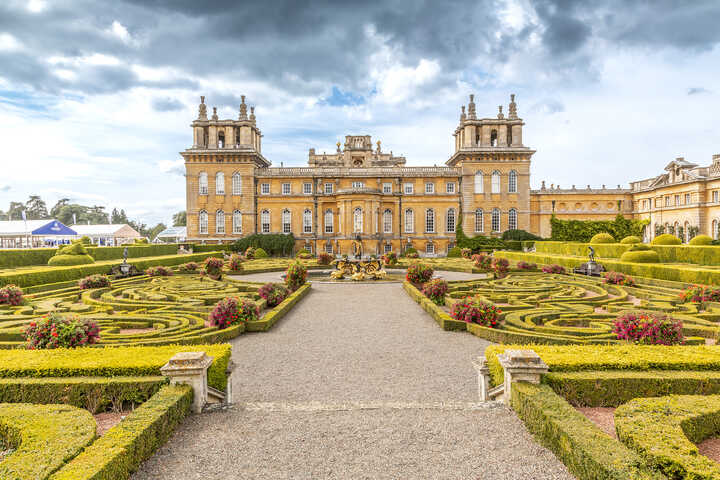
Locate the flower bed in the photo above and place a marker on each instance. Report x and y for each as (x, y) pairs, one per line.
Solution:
(232, 311)
(419, 273)
(648, 328)
(273, 293)
(435, 290)
(158, 271)
(57, 331)
(474, 310)
(617, 278)
(94, 281)
(11, 295)
(295, 276)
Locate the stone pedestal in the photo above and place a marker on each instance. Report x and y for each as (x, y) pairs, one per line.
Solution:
(483, 372)
(520, 366)
(190, 368)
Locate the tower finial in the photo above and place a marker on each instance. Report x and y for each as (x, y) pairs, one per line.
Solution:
(471, 107)
(243, 109)
(462, 113)
(215, 115)
(513, 107)
(202, 109)
(500, 114)
(252, 115)
(338, 147)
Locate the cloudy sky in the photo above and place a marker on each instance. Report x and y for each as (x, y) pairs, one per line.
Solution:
(96, 97)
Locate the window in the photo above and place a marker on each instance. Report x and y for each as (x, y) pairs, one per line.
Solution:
(219, 183)
(328, 188)
(308, 247)
(387, 248)
(409, 221)
(286, 221)
(387, 188)
(358, 220)
(286, 189)
(715, 196)
(220, 222)
(236, 184)
(512, 219)
(429, 188)
(430, 248)
(512, 181)
(307, 221)
(495, 220)
(307, 188)
(667, 201)
(265, 188)
(478, 182)
(328, 221)
(677, 199)
(387, 221)
(203, 222)
(328, 248)
(237, 221)
(479, 220)
(408, 188)
(358, 184)
(715, 229)
(495, 182)
(265, 221)
(429, 220)
(203, 183)
(493, 138)
(450, 221)
(687, 199)
(450, 187)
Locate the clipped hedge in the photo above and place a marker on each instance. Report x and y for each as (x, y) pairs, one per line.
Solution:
(271, 317)
(25, 257)
(118, 453)
(630, 239)
(603, 237)
(641, 256)
(67, 260)
(697, 254)
(445, 321)
(44, 436)
(588, 453)
(701, 240)
(584, 230)
(666, 239)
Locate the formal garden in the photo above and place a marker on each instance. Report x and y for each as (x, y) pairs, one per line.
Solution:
(628, 361)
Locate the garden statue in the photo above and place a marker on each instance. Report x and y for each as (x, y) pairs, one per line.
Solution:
(592, 254)
(125, 254)
(357, 247)
(591, 267)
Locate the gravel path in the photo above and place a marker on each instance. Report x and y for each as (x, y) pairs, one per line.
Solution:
(357, 381)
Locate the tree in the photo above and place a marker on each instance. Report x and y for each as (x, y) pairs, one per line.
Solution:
(35, 208)
(140, 227)
(15, 211)
(55, 211)
(180, 219)
(67, 211)
(97, 215)
(118, 217)
(155, 230)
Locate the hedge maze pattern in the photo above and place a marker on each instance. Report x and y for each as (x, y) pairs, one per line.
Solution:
(136, 311)
(565, 309)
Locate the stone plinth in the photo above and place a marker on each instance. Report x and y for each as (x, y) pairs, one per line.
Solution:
(483, 372)
(520, 366)
(190, 368)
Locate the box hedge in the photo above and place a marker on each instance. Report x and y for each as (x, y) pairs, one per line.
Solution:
(701, 240)
(630, 239)
(646, 256)
(68, 260)
(118, 453)
(697, 254)
(666, 239)
(602, 238)
(279, 311)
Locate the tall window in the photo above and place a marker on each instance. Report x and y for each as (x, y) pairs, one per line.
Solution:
(286, 221)
(307, 221)
(358, 185)
(450, 187)
(358, 220)
(387, 248)
(387, 221)
(328, 188)
(409, 221)
(512, 181)
(450, 221)
(495, 220)
(715, 229)
(687, 199)
(479, 220)
(512, 219)
(328, 248)
(236, 184)
(408, 188)
(265, 221)
(429, 220)
(429, 188)
(715, 196)
(328, 221)
(237, 222)
(203, 222)
(286, 189)
(265, 188)
(203, 183)
(219, 183)
(307, 188)
(220, 222)
(478, 182)
(387, 187)
(430, 248)
(495, 182)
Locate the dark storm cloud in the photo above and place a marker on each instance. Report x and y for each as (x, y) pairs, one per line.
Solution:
(307, 48)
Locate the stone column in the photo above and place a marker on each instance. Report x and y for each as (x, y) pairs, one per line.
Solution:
(190, 368)
(520, 366)
(483, 379)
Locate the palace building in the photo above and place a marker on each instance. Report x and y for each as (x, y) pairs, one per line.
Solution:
(362, 191)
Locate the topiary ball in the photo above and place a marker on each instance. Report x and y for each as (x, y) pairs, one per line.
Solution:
(602, 238)
(454, 252)
(67, 260)
(701, 240)
(666, 239)
(260, 253)
(639, 247)
(631, 239)
(642, 256)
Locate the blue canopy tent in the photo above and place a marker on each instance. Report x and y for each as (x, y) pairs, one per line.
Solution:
(34, 233)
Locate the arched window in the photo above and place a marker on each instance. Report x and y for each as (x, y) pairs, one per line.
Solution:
(450, 220)
(512, 219)
(237, 222)
(495, 220)
(220, 222)
(219, 183)
(429, 220)
(493, 138)
(512, 181)
(358, 220)
(478, 182)
(307, 221)
(203, 183)
(409, 221)
(236, 184)
(387, 221)
(203, 222)
(495, 182)
(328, 221)
(479, 220)
(221, 139)
(286, 221)
(265, 221)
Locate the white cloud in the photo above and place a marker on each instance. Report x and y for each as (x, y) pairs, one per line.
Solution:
(36, 6)
(8, 43)
(119, 31)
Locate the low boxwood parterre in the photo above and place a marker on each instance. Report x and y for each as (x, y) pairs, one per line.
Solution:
(14, 258)
(119, 452)
(44, 438)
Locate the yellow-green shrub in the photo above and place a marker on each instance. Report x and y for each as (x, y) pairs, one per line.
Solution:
(68, 260)
(647, 256)
(666, 239)
(602, 238)
(701, 240)
(631, 239)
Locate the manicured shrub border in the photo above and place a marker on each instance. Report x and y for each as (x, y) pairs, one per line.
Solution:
(697, 254)
(119, 452)
(438, 314)
(271, 317)
(13, 258)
